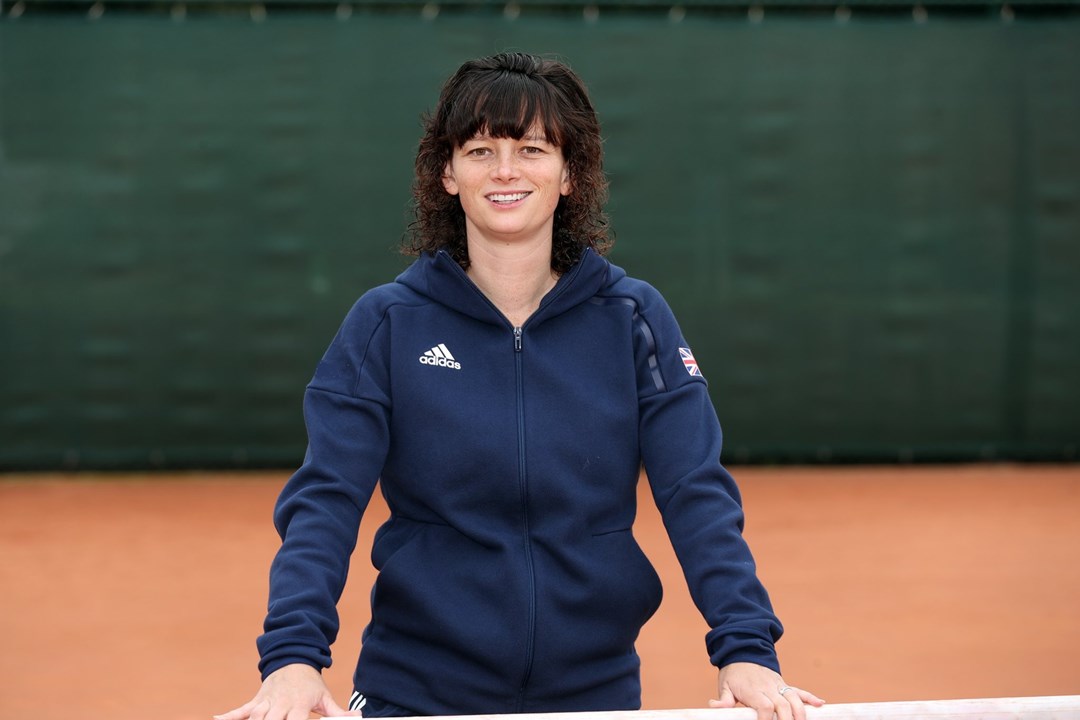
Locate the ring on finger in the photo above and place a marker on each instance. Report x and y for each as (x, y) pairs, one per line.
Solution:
(784, 688)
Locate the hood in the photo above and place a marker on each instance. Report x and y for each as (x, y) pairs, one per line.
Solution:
(439, 277)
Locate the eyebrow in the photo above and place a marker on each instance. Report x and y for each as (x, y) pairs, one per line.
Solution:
(528, 138)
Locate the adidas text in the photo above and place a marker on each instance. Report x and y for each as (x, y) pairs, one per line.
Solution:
(440, 362)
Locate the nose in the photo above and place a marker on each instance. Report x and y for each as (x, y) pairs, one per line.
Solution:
(506, 165)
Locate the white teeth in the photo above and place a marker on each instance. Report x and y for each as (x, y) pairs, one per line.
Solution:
(508, 198)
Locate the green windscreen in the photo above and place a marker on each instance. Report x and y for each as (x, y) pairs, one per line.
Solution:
(867, 222)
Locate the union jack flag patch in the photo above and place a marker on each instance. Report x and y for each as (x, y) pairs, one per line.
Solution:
(690, 363)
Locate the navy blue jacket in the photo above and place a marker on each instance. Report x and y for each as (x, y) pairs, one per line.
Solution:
(509, 580)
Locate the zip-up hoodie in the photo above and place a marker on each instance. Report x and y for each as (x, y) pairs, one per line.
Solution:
(509, 580)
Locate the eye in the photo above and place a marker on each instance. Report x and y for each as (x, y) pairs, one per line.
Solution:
(478, 151)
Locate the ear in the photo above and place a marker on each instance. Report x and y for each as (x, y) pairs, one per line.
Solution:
(566, 186)
(448, 181)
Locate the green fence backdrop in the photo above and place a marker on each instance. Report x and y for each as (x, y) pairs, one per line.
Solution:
(867, 218)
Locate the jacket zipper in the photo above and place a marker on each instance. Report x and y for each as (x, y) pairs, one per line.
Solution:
(522, 477)
(523, 484)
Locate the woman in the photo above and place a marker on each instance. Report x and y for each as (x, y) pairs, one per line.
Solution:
(507, 389)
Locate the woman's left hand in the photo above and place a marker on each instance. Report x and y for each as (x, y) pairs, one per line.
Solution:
(763, 690)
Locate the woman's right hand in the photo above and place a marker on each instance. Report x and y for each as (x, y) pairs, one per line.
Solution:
(289, 693)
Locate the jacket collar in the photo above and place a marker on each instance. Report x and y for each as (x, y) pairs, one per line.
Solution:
(440, 278)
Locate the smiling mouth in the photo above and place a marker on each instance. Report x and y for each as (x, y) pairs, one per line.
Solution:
(507, 198)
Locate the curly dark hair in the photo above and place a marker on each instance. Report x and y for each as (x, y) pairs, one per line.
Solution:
(504, 96)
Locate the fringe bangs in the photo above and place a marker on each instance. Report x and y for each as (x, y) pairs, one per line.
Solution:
(505, 106)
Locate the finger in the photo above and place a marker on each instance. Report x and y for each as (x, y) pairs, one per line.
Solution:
(794, 703)
(330, 708)
(766, 708)
(261, 711)
(239, 713)
(727, 699)
(810, 698)
(782, 706)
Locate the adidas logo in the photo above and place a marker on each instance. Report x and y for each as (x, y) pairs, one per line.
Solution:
(440, 356)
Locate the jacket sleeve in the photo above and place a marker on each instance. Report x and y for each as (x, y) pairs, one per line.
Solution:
(698, 499)
(347, 414)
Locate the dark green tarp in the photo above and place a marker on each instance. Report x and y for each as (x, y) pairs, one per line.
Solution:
(869, 226)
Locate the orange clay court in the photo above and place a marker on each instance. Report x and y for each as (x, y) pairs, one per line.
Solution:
(139, 596)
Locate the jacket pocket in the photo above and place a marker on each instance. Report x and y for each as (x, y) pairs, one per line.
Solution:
(632, 580)
(390, 538)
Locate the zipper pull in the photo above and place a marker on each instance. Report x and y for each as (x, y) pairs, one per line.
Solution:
(517, 339)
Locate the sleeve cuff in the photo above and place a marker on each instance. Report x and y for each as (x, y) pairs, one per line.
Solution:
(732, 648)
(291, 656)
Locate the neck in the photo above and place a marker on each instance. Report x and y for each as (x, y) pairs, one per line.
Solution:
(514, 278)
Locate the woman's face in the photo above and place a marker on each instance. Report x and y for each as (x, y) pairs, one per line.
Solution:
(508, 188)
